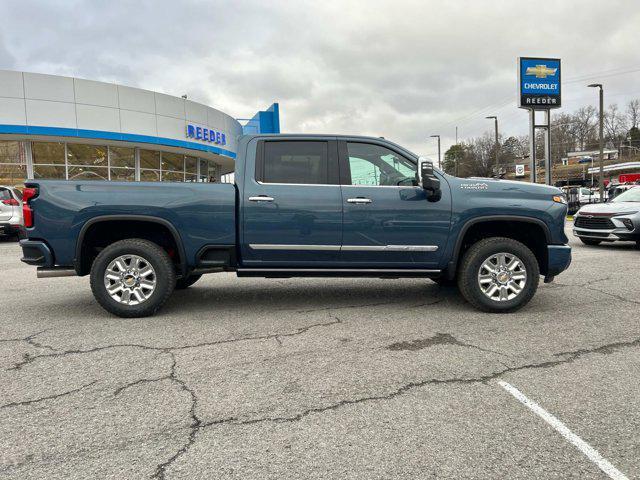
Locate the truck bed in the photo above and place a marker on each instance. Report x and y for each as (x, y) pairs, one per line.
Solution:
(202, 214)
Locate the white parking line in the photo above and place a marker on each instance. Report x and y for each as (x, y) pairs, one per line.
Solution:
(590, 452)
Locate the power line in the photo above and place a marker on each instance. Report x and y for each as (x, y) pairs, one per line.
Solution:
(502, 103)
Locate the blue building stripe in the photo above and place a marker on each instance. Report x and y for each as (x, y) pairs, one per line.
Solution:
(122, 137)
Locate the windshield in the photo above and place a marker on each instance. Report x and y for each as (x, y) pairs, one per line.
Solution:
(631, 195)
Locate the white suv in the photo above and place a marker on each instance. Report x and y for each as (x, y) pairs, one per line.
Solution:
(11, 222)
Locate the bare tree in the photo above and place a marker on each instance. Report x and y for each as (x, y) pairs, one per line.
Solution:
(633, 113)
(584, 126)
(614, 125)
(479, 157)
(563, 136)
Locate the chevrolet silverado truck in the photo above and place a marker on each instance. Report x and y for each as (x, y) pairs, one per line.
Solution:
(301, 206)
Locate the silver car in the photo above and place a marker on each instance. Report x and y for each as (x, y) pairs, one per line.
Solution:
(11, 222)
(616, 220)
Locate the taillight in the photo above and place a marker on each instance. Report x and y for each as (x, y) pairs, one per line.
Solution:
(12, 202)
(27, 213)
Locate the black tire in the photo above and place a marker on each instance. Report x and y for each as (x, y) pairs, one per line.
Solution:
(590, 241)
(472, 260)
(186, 282)
(165, 277)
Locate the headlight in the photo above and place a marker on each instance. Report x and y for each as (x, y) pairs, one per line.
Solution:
(560, 199)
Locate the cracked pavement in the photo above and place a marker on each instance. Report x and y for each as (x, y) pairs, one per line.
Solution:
(319, 378)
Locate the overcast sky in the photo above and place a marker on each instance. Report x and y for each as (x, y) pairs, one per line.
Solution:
(402, 70)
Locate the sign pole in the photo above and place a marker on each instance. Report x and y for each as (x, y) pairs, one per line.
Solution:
(532, 146)
(548, 164)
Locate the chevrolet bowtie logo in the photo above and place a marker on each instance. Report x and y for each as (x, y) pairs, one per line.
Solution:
(541, 71)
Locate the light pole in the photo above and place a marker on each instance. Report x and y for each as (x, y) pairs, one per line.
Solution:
(601, 179)
(439, 163)
(493, 117)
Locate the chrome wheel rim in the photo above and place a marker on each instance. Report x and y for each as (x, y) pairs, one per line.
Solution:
(502, 277)
(130, 279)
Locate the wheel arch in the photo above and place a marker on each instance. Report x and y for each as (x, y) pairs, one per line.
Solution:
(80, 261)
(497, 223)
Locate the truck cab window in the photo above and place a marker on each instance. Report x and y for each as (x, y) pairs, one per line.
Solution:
(378, 166)
(295, 162)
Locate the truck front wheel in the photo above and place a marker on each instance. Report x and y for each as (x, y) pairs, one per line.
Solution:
(498, 275)
(132, 278)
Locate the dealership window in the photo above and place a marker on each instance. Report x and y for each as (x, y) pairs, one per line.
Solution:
(172, 167)
(149, 166)
(190, 169)
(122, 164)
(60, 160)
(87, 162)
(209, 171)
(48, 160)
(13, 163)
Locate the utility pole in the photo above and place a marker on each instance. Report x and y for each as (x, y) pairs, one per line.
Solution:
(493, 117)
(601, 178)
(439, 162)
(455, 160)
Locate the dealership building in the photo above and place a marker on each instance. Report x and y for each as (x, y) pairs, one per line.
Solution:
(55, 127)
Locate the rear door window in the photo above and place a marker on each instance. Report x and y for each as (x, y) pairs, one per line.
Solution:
(5, 194)
(300, 162)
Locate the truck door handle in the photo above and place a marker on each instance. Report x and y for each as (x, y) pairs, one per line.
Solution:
(358, 200)
(261, 198)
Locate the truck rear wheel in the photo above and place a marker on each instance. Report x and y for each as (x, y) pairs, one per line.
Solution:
(498, 275)
(132, 278)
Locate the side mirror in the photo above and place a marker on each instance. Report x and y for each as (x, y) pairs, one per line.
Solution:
(430, 183)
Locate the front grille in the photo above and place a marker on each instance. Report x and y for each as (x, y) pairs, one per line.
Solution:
(596, 223)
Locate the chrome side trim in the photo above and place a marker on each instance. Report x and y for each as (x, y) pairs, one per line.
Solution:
(346, 248)
(390, 248)
(300, 184)
(272, 246)
(382, 186)
(340, 270)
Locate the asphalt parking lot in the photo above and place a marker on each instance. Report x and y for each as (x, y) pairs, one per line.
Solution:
(321, 378)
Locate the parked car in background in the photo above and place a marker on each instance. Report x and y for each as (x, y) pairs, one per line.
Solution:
(616, 220)
(578, 196)
(11, 222)
(587, 196)
(614, 190)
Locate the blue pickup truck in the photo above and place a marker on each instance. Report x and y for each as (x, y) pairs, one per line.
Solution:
(301, 205)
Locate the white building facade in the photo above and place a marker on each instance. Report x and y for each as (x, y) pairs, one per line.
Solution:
(57, 127)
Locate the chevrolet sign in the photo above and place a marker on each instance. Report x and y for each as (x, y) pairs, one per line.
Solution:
(539, 83)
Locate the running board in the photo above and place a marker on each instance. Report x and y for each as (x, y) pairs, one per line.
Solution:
(336, 272)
